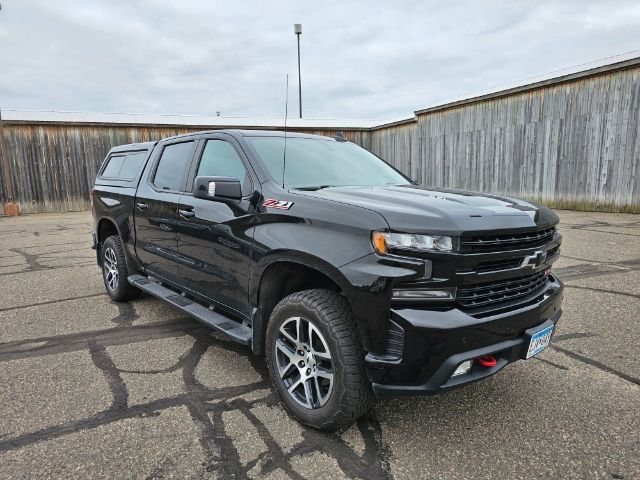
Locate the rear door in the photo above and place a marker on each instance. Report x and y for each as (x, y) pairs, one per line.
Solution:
(156, 208)
(213, 242)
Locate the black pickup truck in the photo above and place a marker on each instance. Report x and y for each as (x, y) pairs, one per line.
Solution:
(351, 279)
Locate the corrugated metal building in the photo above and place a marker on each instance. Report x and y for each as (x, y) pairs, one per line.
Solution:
(570, 139)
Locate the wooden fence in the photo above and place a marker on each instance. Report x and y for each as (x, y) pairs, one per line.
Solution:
(52, 167)
(568, 143)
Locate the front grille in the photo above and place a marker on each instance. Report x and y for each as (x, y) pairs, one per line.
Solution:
(553, 251)
(493, 293)
(510, 241)
(492, 266)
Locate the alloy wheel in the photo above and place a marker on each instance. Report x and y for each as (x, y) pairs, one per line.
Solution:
(110, 268)
(304, 362)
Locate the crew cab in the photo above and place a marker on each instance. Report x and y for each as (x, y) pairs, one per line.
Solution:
(351, 280)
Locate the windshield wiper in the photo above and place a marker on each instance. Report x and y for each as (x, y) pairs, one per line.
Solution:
(311, 189)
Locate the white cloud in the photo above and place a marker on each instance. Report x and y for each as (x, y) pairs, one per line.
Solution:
(372, 59)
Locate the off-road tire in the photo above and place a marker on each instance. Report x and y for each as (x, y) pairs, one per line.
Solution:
(123, 290)
(330, 313)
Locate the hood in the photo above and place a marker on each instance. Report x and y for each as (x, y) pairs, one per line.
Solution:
(417, 209)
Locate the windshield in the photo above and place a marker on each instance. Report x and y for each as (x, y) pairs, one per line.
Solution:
(317, 163)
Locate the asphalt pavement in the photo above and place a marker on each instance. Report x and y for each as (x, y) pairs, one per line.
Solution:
(92, 388)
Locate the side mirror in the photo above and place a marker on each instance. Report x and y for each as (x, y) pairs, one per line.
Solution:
(214, 188)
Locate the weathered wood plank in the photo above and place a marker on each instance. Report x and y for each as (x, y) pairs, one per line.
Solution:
(574, 144)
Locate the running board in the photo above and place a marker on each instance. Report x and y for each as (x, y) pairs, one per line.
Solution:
(236, 331)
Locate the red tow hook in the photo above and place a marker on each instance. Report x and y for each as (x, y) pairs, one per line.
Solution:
(487, 361)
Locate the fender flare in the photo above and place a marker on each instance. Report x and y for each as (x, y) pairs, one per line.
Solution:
(124, 232)
(300, 258)
(259, 324)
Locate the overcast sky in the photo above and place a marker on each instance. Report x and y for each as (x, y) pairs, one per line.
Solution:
(368, 59)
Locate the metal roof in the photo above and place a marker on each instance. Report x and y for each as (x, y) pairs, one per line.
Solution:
(51, 116)
(617, 62)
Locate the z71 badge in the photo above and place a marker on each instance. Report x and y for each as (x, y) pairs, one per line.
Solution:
(273, 203)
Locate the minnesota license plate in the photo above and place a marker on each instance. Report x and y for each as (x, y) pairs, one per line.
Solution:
(539, 341)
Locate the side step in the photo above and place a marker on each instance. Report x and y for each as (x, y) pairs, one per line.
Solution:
(236, 331)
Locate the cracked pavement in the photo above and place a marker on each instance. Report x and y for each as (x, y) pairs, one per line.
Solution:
(91, 388)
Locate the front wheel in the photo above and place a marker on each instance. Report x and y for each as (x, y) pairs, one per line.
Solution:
(316, 361)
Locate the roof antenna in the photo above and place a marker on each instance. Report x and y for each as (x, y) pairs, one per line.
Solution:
(340, 136)
(286, 114)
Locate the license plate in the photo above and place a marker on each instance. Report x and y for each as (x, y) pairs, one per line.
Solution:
(539, 341)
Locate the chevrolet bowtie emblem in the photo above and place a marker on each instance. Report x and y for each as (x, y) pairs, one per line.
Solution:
(535, 260)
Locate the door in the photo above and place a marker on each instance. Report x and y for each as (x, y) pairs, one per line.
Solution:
(155, 209)
(213, 239)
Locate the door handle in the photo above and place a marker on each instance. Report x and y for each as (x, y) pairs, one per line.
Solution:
(142, 206)
(186, 214)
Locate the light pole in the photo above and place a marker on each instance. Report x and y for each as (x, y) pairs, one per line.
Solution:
(297, 29)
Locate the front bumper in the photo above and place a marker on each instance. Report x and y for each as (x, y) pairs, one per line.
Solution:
(436, 342)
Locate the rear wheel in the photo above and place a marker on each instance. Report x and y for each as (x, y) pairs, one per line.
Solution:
(316, 361)
(115, 271)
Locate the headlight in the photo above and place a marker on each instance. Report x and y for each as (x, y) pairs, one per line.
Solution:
(383, 242)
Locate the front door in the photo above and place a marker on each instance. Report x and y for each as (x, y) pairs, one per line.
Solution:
(156, 209)
(213, 239)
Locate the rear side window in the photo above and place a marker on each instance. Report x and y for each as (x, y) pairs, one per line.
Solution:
(171, 166)
(125, 166)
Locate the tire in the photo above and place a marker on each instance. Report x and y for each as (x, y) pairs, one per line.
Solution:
(115, 271)
(327, 319)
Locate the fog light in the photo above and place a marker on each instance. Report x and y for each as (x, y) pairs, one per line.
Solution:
(464, 367)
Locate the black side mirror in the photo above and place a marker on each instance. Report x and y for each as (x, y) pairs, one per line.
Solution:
(213, 188)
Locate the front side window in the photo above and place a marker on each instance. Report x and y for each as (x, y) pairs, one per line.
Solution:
(220, 159)
(316, 162)
(171, 166)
